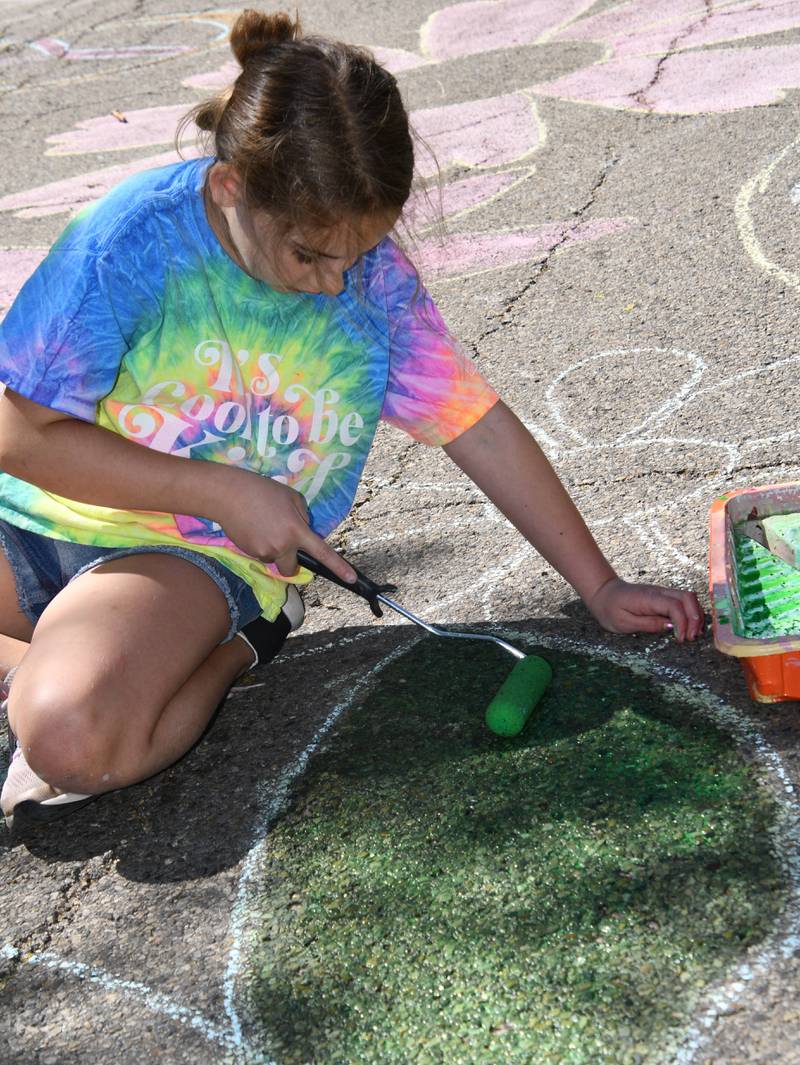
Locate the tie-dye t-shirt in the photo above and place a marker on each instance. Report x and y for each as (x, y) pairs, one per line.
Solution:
(138, 320)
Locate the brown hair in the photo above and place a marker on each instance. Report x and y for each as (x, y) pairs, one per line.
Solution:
(316, 129)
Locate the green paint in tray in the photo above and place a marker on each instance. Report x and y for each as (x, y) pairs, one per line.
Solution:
(769, 591)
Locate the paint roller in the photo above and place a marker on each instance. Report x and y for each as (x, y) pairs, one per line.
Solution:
(522, 689)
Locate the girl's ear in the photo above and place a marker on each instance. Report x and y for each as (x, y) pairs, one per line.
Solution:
(225, 185)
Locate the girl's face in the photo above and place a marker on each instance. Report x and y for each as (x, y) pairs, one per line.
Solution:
(312, 261)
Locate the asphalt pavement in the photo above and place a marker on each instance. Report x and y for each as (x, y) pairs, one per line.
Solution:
(621, 196)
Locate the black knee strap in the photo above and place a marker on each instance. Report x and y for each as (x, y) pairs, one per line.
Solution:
(267, 637)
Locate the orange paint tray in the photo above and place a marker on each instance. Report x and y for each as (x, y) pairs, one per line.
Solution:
(753, 594)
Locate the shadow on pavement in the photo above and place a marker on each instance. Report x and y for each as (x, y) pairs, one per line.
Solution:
(203, 814)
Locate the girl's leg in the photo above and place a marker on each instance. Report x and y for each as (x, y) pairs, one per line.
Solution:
(15, 628)
(123, 673)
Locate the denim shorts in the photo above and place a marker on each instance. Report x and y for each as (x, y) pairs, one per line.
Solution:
(42, 567)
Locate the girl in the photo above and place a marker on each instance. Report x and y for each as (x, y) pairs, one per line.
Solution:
(193, 380)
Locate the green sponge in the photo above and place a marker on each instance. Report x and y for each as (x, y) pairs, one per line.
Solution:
(522, 689)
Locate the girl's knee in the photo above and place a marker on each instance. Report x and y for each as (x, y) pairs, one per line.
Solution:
(65, 739)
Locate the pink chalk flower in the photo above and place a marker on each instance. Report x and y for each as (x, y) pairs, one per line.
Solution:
(655, 57)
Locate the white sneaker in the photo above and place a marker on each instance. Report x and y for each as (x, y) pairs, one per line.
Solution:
(24, 793)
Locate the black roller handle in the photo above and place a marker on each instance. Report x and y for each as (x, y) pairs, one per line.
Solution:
(362, 585)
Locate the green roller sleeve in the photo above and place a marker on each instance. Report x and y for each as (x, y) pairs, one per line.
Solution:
(524, 686)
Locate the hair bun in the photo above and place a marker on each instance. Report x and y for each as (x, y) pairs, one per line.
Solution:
(255, 32)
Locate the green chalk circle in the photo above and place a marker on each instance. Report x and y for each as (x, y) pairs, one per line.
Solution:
(435, 893)
(522, 689)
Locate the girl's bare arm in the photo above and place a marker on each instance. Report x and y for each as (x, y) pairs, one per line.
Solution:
(503, 459)
(90, 464)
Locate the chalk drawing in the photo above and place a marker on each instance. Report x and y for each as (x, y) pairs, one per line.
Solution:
(676, 687)
(570, 437)
(271, 801)
(470, 254)
(645, 65)
(395, 60)
(673, 685)
(785, 940)
(490, 133)
(474, 135)
(143, 128)
(563, 386)
(754, 190)
(70, 194)
(645, 27)
(575, 442)
(461, 196)
(136, 991)
(55, 48)
(688, 84)
(214, 80)
(473, 28)
(133, 57)
(482, 133)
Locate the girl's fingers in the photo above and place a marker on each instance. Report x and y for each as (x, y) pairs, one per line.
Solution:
(286, 563)
(695, 619)
(652, 623)
(325, 554)
(677, 617)
(651, 608)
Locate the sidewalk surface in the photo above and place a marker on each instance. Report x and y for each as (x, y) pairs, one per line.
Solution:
(622, 188)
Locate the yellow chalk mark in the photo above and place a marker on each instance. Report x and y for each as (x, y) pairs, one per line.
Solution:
(744, 220)
(554, 31)
(525, 173)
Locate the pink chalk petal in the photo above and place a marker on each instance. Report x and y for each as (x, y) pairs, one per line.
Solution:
(485, 25)
(215, 79)
(424, 208)
(689, 83)
(73, 193)
(641, 28)
(16, 266)
(396, 60)
(638, 18)
(465, 253)
(489, 132)
(150, 125)
(613, 84)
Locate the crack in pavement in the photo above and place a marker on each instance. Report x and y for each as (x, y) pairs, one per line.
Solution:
(640, 96)
(577, 217)
(685, 472)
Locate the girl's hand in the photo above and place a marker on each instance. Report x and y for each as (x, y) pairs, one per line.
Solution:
(269, 521)
(623, 607)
